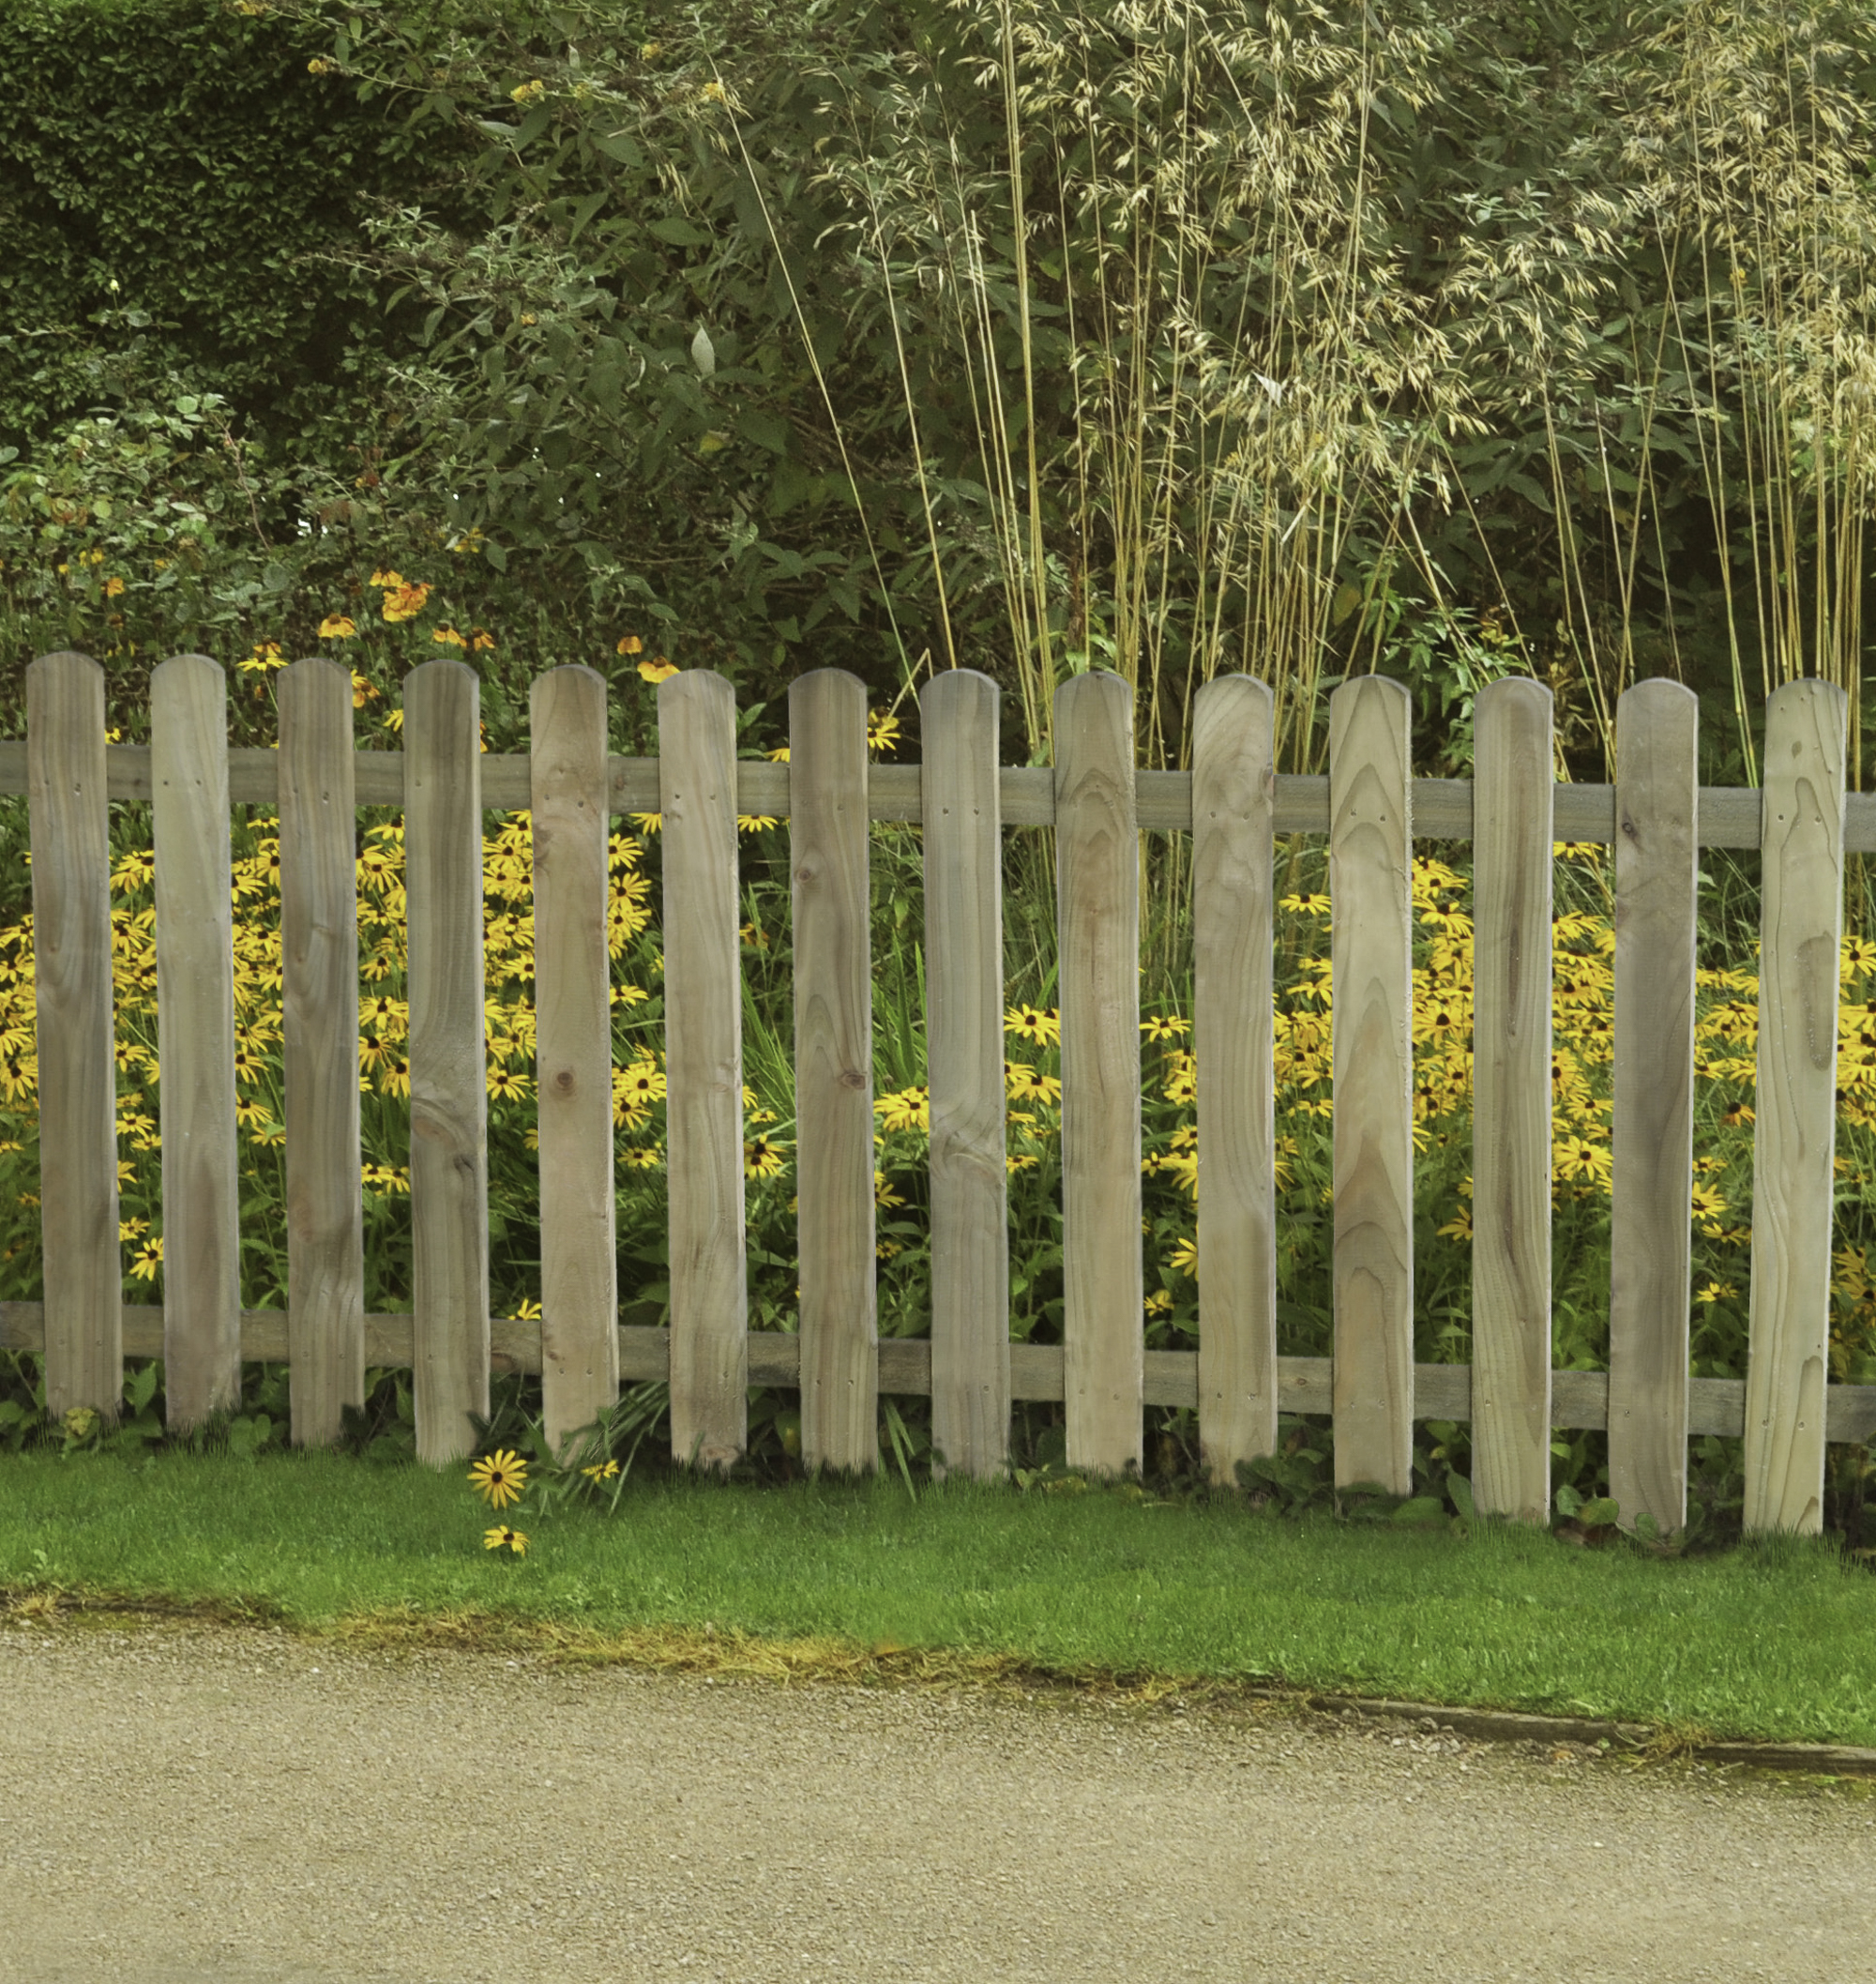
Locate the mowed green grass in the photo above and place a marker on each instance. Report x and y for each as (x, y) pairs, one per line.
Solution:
(1777, 1640)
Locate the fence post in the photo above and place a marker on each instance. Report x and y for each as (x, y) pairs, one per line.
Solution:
(959, 804)
(1371, 976)
(1233, 801)
(195, 1040)
(1649, 1289)
(1512, 864)
(1795, 1109)
(449, 1142)
(704, 1070)
(833, 1069)
(1098, 917)
(573, 1038)
(69, 825)
(319, 1000)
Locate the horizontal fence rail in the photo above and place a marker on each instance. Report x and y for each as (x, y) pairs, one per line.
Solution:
(1442, 808)
(1233, 801)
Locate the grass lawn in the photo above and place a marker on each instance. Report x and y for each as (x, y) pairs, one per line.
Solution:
(1774, 1639)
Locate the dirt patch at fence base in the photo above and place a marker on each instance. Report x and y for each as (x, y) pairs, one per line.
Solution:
(225, 1804)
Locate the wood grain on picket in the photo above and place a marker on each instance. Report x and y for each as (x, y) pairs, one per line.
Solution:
(963, 993)
(833, 1069)
(1233, 794)
(573, 1052)
(1651, 1129)
(1097, 920)
(1372, 965)
(69, 820)
(319, 1000)
(449, 1063)
(1511, 1101)
(195, 1040)
(704, 1069)
(1795, 1119)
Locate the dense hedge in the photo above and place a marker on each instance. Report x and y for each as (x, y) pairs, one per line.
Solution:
(166, 167)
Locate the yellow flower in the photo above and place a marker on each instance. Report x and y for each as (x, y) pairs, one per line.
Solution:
(1165, 1028)
(265, 656)
(1184, 1259)
(113, 587)
(714, 92)
(444, 636)
(1716, 1291)
(602, 1473)
(317, 68)
(337, 627)
(1030, 1024)
(881, 733)
(528, 92)
(506, 1086)
(657, 669)
(362, 691)
(148, 1260)
(911, 1110)
(629, 645)
(763, 1158)
(484, 639)
(405, 603)
(387, 581)
(499, 1478)
(650, 51)
(502, 1534)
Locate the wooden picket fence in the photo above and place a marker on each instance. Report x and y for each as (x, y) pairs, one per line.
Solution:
(1232, 801)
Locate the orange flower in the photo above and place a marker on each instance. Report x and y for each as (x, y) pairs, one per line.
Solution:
(631, 645)
(657, 669)
(337, 627)
(406, 602)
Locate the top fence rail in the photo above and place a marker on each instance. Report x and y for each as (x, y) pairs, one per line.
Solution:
(1727, 816)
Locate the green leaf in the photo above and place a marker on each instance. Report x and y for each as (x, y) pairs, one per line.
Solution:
(1460, 1489)
(1568, 1500)
(1604, 1509)
(1421, 1508)
(679, 231)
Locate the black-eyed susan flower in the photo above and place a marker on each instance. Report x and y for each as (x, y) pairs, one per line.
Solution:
(629, 645)
(503, 1537)
(337, 627)
(602, 1471)
(657, 669)
(763, 1158)
(1030, 1022)
(1165, 1026)
(499, 1478)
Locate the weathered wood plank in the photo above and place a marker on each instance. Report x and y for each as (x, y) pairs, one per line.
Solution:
(1511, 1101)
(1441, 1391)
(964, 978)
(1650, 1294)
(449, 1140)
(319, 966)
(704, 1070)
(573, 1052)
(69, 825)
(195, 1040)
(834, 1069)
(1234, 786)
(1097, 919)
(1794, 1125)
(1372, 965)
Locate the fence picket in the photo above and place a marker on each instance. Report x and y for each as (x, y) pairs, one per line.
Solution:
(1098, 916)
(1650, 1296)
(573, 1036)
(196, 1039)
(319, 1002)
(1794, 1120)
(1512, 860)
(704, 1069)
(1371, 973)
(69, 825)
(833, 1069)
(448, 1067)
(1233, 801)
(964, 978)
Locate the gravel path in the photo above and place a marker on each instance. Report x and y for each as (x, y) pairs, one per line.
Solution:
(211, 1805)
